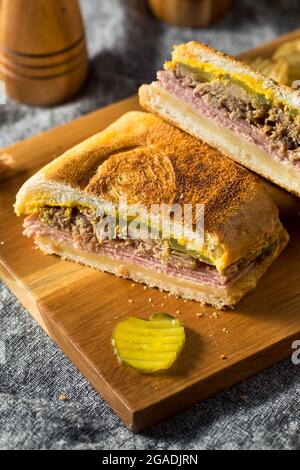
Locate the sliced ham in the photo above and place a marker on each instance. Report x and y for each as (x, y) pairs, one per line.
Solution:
(177, 88)
(119, 250)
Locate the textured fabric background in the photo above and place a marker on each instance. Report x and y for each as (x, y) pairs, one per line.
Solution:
(126, 47)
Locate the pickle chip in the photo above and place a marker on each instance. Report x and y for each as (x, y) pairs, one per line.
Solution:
(149, 345)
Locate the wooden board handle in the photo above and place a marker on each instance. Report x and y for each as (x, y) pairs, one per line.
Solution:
(189, 12)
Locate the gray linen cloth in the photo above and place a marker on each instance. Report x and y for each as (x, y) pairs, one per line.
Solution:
(126, 47)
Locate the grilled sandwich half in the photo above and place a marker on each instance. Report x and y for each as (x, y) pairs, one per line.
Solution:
(239, 111)
(150, 163)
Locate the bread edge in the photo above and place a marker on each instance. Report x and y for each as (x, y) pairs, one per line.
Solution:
(201, 51)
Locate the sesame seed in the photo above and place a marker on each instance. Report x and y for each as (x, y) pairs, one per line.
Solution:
(200, 315)
(223, 357)
(149, 300)
(130, 301)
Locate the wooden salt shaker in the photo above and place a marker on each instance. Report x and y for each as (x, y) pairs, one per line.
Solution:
(43, 55)
(189, 12)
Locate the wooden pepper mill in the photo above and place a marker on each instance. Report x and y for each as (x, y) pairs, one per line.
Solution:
(43, 55)
(189, 12)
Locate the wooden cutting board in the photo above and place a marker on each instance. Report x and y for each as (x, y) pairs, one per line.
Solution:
(78, 307)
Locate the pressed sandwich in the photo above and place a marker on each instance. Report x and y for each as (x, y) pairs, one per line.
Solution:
(148, 161)
(237, 110)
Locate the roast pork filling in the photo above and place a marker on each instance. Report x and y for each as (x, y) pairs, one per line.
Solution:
(77, 227)
(274, 128)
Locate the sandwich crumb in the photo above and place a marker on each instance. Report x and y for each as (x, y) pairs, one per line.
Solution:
(63, 397)
(132, 285)
(215, 315)
(178, 312)
(199, 315)
(145, 287)
(130, 301)
(223, 357)
(162, 305)
(122, 272)
(150, 300)
(225, 331)
(6, 164)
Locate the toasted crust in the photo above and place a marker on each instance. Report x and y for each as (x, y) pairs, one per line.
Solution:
(193, 52)
(149, 161)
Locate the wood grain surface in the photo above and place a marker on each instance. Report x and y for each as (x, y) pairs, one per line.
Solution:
(79, 306)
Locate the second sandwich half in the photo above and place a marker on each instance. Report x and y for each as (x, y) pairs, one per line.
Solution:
(240, 112)
(150, 162)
